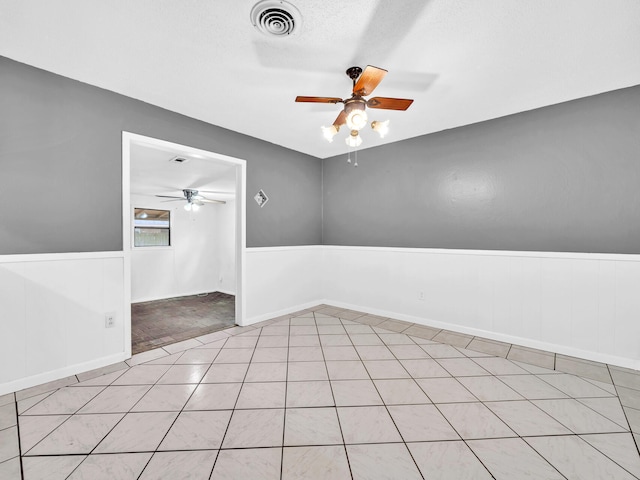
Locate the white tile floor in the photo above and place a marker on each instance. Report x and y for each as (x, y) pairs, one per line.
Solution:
(329, 393)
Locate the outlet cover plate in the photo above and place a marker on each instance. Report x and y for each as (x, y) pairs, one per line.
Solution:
(109, 320)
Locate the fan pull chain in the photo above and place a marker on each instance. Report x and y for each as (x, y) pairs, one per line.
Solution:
(355, 155)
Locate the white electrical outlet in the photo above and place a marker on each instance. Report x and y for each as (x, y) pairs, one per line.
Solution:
(109, 320)
(421, 295)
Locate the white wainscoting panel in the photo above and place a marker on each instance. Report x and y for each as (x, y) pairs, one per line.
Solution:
(281, 280)
(53, 317)
(584, 305)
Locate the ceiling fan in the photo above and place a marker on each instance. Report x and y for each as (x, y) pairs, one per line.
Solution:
(354, 114)
(193, 197)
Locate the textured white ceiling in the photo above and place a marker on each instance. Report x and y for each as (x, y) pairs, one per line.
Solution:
(463, 61)
(152, 173)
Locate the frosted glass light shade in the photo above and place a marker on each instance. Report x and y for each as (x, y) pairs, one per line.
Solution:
(329, 133)
(353, 140)
(356, 119)
(381, 127)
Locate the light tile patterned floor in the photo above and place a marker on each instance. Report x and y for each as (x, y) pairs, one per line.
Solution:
(329, 394)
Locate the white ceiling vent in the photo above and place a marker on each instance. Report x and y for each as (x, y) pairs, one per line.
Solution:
(276, 18)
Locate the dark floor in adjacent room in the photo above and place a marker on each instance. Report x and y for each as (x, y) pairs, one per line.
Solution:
(162, 322)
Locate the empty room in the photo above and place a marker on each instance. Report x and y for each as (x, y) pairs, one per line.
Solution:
(296, 239)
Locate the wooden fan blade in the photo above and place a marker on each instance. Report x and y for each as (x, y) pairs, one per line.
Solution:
(170, 196)
(389, 103)
(318, 99)
(341, 120)
(369, 80)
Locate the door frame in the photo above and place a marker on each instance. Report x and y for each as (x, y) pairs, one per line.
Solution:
(128, 139)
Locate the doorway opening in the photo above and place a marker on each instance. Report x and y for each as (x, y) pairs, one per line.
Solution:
(183, 241)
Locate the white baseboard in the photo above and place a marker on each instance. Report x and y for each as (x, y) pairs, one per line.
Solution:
(226, 292)
(284, 311)
(153, 299)
(524, 342)
(53, 375)
(583, 305)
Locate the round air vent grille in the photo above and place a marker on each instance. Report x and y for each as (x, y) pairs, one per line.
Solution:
(276, 18)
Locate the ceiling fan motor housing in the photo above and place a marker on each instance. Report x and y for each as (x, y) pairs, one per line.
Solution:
(189, 194)
(354, 103)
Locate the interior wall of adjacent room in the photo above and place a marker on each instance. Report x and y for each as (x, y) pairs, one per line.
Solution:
(225, 234)
(189, 266)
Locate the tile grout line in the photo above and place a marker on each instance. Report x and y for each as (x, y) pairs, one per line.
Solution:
(183, 406)
(573, 434)
(335, 405)
(543, 457)
(286, 384)
(440, 412)
(49, 433)
(452, 426)
(508, 351)
(604, 454)
(624, 412)
(123, 417)
(383, 401)
(224, 435)
(15, 405)
(482, 402)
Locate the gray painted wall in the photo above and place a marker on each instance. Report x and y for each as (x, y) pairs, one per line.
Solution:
(561, 178)
(60, 167)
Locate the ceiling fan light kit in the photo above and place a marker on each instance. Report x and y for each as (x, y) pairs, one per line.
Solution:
(354, 113)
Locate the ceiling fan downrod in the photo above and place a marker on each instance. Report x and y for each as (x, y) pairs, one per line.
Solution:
(353, 73)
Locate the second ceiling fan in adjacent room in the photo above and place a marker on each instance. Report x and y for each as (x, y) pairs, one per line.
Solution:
(194, 199)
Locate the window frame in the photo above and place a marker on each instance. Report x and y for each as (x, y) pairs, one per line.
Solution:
(134, 226)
